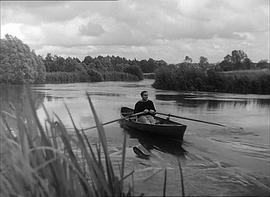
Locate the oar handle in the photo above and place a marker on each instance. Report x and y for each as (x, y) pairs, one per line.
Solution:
(112, 121)
(202, 121)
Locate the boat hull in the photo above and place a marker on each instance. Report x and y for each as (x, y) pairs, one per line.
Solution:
(165, 127)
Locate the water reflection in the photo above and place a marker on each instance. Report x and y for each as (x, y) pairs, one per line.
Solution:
(50, 98)
(17, 96)
(205, 146)
(105, 94)
(14, 99)
(162, 144)
(213, 101)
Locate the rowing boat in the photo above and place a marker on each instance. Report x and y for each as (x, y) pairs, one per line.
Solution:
(163, 127)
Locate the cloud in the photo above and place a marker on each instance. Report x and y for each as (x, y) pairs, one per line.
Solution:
(142, 29)
(91, 29)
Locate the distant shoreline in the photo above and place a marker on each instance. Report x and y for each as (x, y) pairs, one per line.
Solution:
(190, 79)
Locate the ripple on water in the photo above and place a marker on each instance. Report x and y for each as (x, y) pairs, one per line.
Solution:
(232, 132)
(105, 94)
(259, 151)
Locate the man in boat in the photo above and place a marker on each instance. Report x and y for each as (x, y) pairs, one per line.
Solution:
(146, 106)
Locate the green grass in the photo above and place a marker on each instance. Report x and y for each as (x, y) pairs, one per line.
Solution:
(47, 161)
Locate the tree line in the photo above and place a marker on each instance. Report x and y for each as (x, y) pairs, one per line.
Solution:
(20, 64)
(234, 74)
(237, 60)
(98, 68)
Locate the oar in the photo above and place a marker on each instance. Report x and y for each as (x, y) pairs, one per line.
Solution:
(112, 121)
(191, 119)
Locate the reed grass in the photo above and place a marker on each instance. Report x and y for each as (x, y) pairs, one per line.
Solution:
(46, 161)
(165, 182)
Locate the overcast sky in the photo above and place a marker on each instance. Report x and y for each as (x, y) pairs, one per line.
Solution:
(141, 29)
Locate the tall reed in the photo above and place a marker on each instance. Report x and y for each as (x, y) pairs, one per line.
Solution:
(47, 161)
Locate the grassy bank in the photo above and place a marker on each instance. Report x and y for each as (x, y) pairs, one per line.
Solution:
(193, 78)
(48, 161)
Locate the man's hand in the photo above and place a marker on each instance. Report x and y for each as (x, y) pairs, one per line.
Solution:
(152, 111)
(146, 111)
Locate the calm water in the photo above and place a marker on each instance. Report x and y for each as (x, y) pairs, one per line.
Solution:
(216, 161)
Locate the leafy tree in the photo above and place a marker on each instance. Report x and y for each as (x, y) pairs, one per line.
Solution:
(120, 67)
(119, 76)
(134, 70)
(69, 65)
(161, 63)
(165, 78)
(72, 65)
(263, 64)
(18, 64)
(59, 63)
(87, 60)
(147, 66)
(228, 58)
(238, 56)
(152, 65)
(188, 60)
(236, 61)
(144, 66)
(203, 62)
(226, 66)
(49, 63)
(94, 75)
(247, 63)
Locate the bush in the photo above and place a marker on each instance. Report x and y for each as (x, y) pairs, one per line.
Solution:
(94, 75)
(165, 78)
(119, 76)
(190, 78)
(149, 75)
(134, 70)
(62, 77)
(193, 78)
(18, 64)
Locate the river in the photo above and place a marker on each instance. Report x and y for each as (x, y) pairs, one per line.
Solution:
(232, 160)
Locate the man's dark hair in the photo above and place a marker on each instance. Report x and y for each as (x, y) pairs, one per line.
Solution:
(143, 92)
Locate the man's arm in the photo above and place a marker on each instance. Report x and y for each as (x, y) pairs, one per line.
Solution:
(152, 106)
(137, 108)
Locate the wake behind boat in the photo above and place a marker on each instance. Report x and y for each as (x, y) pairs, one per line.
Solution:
(163, 127)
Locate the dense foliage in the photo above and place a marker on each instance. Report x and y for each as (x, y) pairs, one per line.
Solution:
(239, 60)
(119, 76)
(91, 69)
(194, 78)
(236, 74)
(62, 77)
(21, 65)
(18, 64)
(73, 77)
(134, 70)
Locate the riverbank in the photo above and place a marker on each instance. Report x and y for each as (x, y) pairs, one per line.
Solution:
(192, 78)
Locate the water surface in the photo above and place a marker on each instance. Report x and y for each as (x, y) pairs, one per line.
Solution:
(234, 160)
